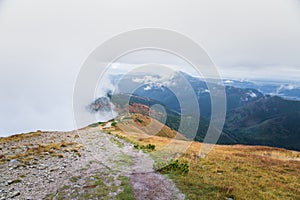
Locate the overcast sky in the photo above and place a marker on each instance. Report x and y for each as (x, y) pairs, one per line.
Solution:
(43, 44)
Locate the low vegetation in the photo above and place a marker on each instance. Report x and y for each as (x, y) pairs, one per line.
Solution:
(117, 142)
(173, 166)
(25, 154)
(95, 124)
(227, 172)
(20, 137)
(96, 186)
(114, 123)
(232, 172)
(148, 147)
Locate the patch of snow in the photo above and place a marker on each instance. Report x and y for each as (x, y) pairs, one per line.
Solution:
(148, 87)
(228, 81)
(205, 91)
(252, 95)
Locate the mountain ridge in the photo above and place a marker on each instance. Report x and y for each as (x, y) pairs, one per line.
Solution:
(270, 120)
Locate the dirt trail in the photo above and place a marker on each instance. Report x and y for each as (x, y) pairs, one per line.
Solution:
(97, 169)
(124, 160)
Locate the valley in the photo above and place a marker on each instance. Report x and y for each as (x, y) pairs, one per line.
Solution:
(253, 117)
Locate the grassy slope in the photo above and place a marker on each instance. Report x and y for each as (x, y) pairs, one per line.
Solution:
(270, 121)
(142, 124)
(237, 171)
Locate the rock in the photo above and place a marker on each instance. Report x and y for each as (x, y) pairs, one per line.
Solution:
(13, 167)
(13, 161)
(9, 182)
(61, 172)
(51, 180)
(54, 169)
(42, 167)
(14, 194)
(13, 181)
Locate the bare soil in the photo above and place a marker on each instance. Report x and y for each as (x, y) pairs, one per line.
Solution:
(84, 164)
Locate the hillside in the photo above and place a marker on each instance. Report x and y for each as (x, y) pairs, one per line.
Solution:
(144, 124)
(252, 117)
(269, 121)
(83, 164)
(229, 171)
(97, 161)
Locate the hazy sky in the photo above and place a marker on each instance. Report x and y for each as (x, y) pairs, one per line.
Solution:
(43, 43)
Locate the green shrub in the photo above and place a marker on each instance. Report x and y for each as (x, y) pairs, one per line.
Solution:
(174, 166)
(114, 123)
(139, 120)
(148, 147)
(95, 124)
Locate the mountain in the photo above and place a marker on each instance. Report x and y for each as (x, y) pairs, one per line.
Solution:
(252, 117)
(271, 120)
(288, 91)
(236, 97)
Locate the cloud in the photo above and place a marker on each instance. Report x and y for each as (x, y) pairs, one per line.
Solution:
(44, 43)
(262, 72)
(285, 87)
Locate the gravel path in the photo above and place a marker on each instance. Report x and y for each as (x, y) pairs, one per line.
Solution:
(93, 170)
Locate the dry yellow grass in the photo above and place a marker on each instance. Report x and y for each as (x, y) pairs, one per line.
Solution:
(27, 152)
(230, 171)
(19, 137)
(141, 124)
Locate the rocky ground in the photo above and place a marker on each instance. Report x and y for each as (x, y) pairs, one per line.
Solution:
(84, 164)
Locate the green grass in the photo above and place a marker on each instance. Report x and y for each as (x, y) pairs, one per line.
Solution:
(117, 142)
(127, 192)
(124, 159)
(173, 166)
(97, 186)
(74, 178)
